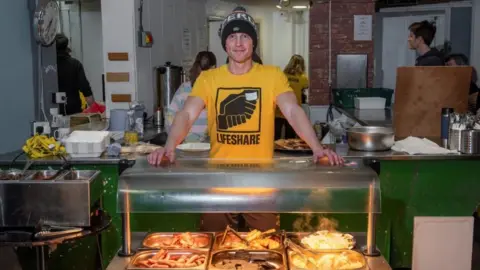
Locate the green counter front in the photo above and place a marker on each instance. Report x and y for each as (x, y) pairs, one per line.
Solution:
(410, 186)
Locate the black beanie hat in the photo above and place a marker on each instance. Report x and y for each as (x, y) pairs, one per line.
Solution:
(239, 21)
(61, 42)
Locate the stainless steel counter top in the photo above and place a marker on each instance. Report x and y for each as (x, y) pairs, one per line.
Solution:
(6, 160)
(120, 263)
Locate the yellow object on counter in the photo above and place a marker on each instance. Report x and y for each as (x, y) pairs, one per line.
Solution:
(130, 137)
(83, 100)
(40, 146)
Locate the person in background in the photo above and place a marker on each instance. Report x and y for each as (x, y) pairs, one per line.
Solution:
(198, 133)
(71, 78)
(295, 71)
(420, 38)
(474, 98)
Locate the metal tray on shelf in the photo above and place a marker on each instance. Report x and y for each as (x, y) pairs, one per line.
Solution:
(79, 175)
(353, 255)
(14, 175)
(159, 240)
(297, 237)
(147, 254)
(44, 175)
(218, 239)
(271, 259)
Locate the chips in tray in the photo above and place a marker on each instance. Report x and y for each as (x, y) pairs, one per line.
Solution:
(339, 260)
(328, 240)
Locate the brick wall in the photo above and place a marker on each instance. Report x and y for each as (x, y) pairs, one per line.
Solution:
(342, 42)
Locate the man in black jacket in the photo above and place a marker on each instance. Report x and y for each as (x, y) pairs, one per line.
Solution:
(71, 78)
(420, 37)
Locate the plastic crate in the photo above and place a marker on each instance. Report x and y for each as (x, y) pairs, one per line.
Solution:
(345, 97)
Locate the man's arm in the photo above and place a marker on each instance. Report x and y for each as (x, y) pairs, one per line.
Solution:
(183, 121)
(84, 85)
(297, 118)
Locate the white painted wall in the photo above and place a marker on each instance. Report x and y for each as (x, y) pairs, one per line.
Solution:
(167, 20)
(92, 48)
(281, 34)
(118, 28)
(475, 54)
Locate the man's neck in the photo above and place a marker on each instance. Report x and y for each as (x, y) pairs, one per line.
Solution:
(239, 68)
(423, 49)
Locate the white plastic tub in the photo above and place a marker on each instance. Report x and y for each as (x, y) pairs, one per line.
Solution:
(370, 103)
(87, 143)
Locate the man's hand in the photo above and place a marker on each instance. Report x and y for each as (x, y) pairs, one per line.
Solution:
(236, 109)
(320, 154)
(161, 156)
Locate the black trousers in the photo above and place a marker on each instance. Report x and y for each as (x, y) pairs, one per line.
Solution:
(289, 132)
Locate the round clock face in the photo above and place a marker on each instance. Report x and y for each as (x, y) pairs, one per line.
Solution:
(45, 22)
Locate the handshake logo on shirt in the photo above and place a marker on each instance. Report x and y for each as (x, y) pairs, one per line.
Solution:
(237, 109)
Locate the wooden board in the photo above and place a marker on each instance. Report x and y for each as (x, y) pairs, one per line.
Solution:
(121, 98)
(118, 56)
(422, 92)
(118, 76)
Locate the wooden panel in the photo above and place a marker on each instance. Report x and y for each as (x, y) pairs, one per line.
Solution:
(118, 56)
(121, 98)
(118, 77)
(422, 92)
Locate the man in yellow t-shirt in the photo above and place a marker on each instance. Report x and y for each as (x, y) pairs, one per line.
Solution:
(241, 98)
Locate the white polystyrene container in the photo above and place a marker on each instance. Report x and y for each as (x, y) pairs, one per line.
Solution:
(370, 103)
(87, 143)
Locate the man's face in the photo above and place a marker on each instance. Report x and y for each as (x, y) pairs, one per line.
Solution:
(239, 47)
(413, 42)
(451, 63)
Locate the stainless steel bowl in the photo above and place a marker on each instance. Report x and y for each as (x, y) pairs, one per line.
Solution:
(370, 138)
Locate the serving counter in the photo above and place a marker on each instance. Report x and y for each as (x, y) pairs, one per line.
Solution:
(284, 185)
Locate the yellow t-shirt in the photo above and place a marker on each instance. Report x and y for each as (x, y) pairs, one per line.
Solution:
(241, 110)
(298, 83)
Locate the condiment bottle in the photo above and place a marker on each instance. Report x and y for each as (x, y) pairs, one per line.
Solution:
(445, 125)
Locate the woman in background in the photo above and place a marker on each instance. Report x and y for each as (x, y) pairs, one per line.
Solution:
(473, 98)
(295, 71)
(198, 133)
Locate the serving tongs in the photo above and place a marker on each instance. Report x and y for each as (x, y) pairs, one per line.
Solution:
(234, 232)
(49, 231)
(307, 255)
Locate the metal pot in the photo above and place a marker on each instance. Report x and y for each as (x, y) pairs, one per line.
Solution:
(370, 138)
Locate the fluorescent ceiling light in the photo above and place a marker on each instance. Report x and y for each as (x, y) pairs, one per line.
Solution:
(299, 7)
(279, 7)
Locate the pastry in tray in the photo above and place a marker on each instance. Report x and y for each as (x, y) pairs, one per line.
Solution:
(341, 260)
(256, 240)
(291, 144)
(168, 259)
(177, 240)
(328, 240)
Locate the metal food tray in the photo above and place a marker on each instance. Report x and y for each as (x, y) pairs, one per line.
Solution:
(160, 235)
(44, 175)
(277, 259)
(296, 237)
(218, 239)
(358, 255)
(150, 253)
(4, 175)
